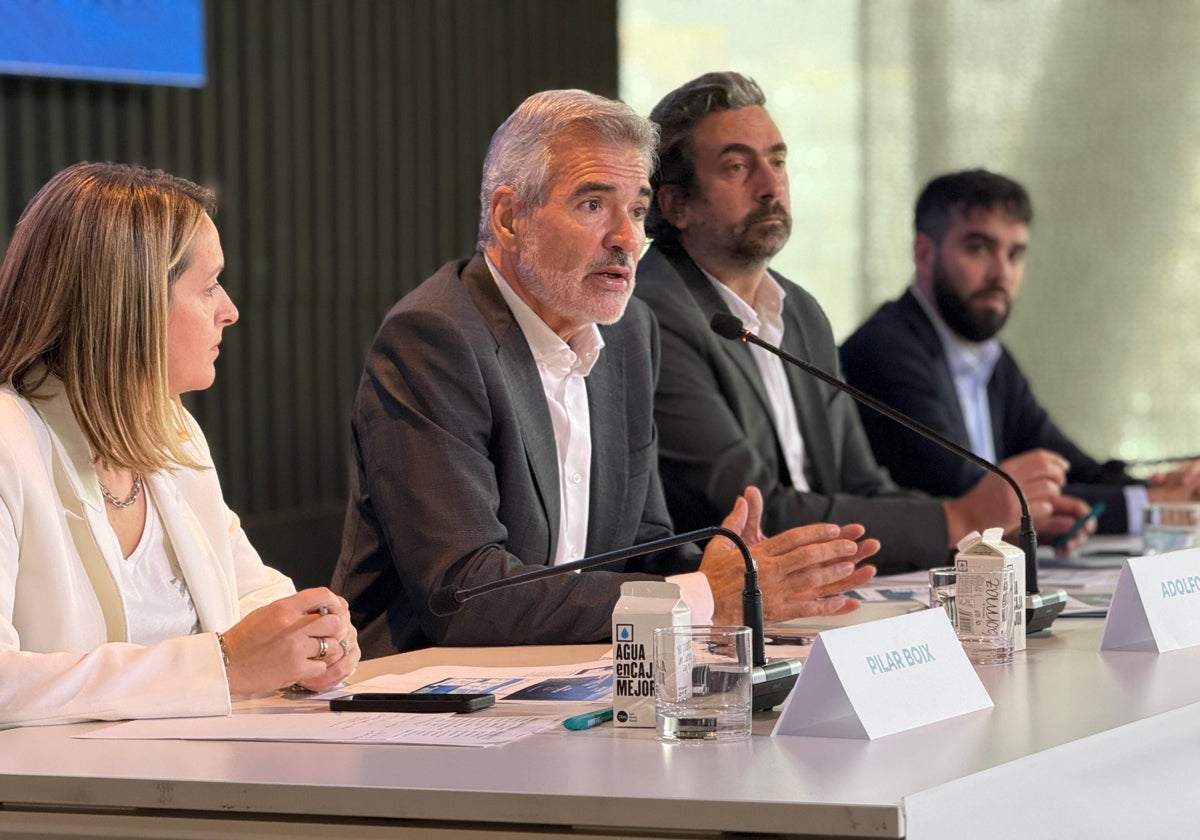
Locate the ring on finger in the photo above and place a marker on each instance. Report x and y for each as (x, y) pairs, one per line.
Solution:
(345, 647)
(322, 648)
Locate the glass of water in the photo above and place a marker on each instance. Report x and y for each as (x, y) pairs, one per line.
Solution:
(1170, 526)
(941, 591)
(702, 683)
(981, 607)
(986, 622)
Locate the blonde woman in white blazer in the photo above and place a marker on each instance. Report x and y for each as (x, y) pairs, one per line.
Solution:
(127, 587)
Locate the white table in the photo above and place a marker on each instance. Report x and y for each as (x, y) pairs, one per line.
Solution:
(1066, 718)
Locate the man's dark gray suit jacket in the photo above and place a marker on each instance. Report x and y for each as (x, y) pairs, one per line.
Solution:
(896, 356)
(456, 474)
(717, 432)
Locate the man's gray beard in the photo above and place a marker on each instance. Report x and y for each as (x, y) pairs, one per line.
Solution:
(556, 288)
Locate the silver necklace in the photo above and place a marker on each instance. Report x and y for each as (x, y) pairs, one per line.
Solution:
(134, 492)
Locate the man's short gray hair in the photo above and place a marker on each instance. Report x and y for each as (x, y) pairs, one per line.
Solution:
(519, 155)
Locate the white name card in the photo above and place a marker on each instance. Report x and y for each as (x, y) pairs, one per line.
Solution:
(882, 677)
(1156, 606)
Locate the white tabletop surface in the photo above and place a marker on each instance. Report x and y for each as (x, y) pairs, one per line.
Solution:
(1059, 691)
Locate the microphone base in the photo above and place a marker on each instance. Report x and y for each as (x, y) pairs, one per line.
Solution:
(1041, 608)
(773, 682)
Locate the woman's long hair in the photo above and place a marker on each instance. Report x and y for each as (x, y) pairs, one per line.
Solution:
(85, 290)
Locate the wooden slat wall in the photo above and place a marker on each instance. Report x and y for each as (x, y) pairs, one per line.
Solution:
(345, 139)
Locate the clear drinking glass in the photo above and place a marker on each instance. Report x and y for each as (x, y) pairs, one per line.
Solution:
(702, 683)
(985, 615)
(1170, 527)
(941, 591)
(981, 607)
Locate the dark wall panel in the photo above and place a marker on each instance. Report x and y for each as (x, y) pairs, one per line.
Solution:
(345, 139)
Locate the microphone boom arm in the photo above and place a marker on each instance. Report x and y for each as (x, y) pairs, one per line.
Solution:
(724, 326)
(449, 599)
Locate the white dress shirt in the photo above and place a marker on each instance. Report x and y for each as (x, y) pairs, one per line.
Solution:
(971, 365)
(765, 319)
(563, 366)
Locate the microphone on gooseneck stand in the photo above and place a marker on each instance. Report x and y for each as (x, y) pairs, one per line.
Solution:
(772, 679)
(1040, 608)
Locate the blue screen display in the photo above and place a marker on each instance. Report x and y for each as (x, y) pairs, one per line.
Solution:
(153, 42)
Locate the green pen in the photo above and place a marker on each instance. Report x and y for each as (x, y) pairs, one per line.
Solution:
(588, 719)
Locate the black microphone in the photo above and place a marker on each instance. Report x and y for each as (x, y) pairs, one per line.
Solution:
(1040, 609)
(772, 680)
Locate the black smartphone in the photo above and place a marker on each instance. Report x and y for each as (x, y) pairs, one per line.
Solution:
(1065, 537)
(377, 702)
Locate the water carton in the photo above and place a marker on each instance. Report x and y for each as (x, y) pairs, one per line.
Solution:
(988, 552)
(644, 606)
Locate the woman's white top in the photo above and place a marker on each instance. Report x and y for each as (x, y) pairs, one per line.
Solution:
(74, 642)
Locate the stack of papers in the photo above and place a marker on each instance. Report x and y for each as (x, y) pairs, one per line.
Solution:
(527, 706)
(447, 730)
